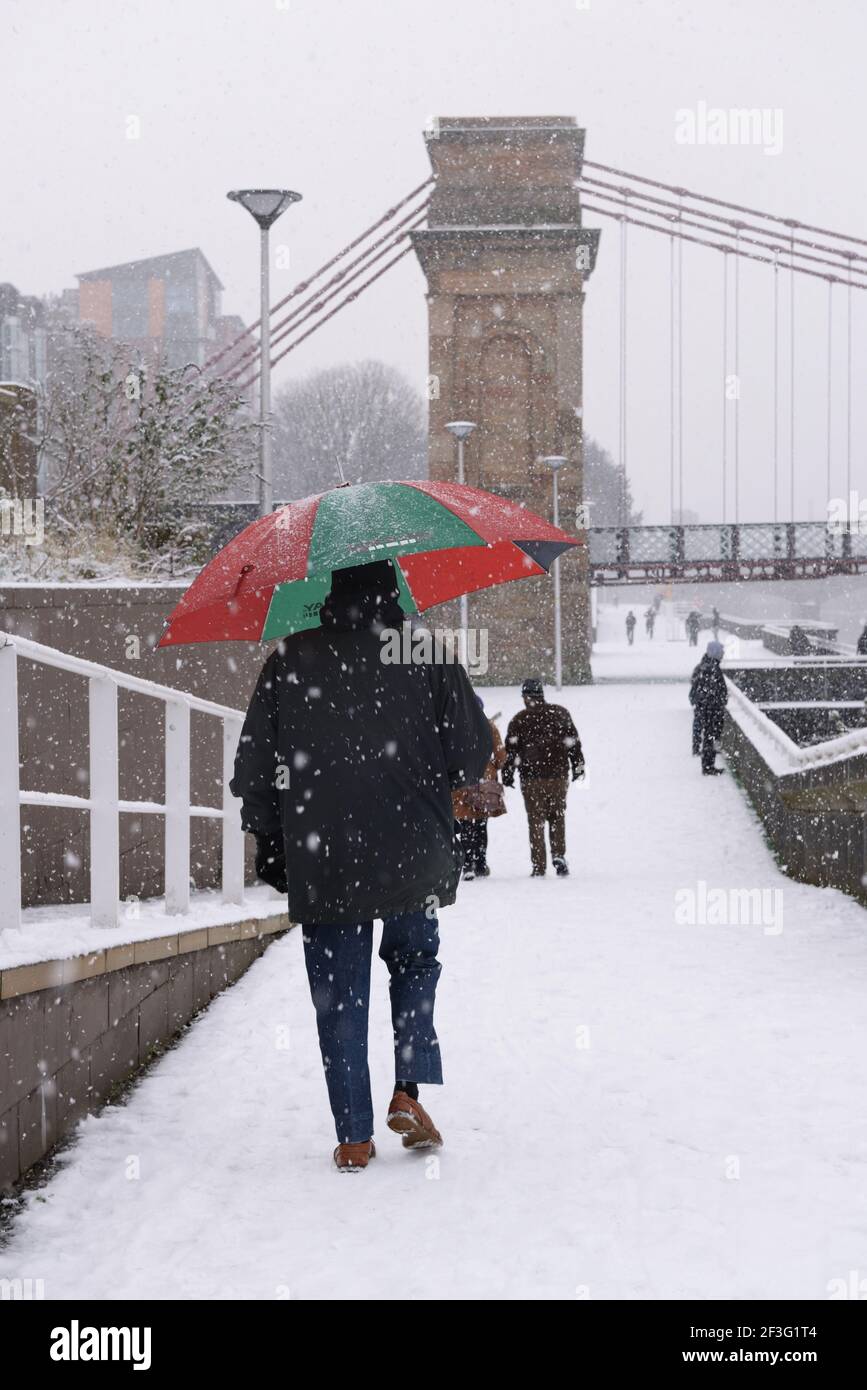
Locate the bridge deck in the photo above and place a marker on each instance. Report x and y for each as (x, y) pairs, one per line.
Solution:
(723, 553)
(712, 1051)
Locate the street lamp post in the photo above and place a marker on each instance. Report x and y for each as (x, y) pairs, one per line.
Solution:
(265, 205)
(461, 431)
(555, 462)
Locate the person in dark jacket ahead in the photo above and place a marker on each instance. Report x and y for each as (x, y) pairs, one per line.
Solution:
(543, 744)
(708, 695)
(345, 768)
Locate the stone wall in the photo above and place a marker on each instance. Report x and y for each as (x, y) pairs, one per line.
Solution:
(73, 1032)
(812, 819)
(118, 627)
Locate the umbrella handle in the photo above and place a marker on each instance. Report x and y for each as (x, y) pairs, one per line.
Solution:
(245, 570)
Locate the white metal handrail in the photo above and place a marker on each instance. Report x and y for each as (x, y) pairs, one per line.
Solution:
(792, 757)
(104, 805)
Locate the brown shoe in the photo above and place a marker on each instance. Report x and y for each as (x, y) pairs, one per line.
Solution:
(407, 1118)
(351, 1158)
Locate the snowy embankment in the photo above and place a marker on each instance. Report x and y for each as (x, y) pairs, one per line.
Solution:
(633, 1107)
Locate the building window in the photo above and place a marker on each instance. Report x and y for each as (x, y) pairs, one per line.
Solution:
(129, 309)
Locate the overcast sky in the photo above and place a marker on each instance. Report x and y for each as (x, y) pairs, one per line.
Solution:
(331, 99)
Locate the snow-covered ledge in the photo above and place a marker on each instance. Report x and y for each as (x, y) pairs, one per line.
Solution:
(65, 934)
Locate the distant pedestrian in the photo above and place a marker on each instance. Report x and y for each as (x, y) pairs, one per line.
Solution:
(542, 744)
(715, 623)
(862, 642)
(799, 642)
(693, 625)
(708, 696)
(630, 627)
(475, 806)
(649, 622)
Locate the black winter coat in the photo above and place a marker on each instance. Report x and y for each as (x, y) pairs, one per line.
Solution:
(708, 689)
(354, 760)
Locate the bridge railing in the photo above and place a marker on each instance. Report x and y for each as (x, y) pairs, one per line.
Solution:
(746, 541)
(103, 804)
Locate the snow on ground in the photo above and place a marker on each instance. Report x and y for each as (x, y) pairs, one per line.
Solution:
(633, 1108)
(665, 656)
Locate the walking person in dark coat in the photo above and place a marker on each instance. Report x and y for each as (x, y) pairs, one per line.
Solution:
(693, 624)
(542, 743)
(649, 622)
(475, 806)
(345, 768)
(862, 642)
(708, 696)
(715, 621)
(630, 627)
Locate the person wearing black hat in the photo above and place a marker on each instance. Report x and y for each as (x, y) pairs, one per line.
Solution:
(345, 768)
(543, 746)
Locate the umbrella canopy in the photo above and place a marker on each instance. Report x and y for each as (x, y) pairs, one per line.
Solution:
(446, 539)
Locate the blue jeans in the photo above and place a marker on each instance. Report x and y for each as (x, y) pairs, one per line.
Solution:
(338, 968)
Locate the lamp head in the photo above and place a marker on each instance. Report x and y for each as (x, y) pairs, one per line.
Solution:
(461, 429)
(265, 204)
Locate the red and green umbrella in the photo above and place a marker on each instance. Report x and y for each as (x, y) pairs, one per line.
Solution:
(445, 539)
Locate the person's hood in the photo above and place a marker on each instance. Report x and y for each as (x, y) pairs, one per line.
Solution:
(353, 611)
(362, 596)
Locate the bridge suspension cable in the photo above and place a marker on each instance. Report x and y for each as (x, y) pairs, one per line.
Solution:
(775, 389)
(722, 202)
(715, 222)
(303, 285)
(725, 403)
(737, 382)
(792, 387)
(848, 393)
(311, 306)
(828, 386)
(841, 265)
(624, 494)
(671, 381)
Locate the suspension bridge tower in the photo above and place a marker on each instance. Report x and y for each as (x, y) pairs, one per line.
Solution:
(506, 258)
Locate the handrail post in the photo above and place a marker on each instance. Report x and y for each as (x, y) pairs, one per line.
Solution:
(10, 788)
(177, 817)
(104, 814)
(233, 835)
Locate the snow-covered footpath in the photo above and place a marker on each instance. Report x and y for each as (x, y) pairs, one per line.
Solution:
(634, 1107)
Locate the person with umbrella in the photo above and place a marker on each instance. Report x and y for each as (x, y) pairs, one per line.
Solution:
(362, 829)
(348, 758)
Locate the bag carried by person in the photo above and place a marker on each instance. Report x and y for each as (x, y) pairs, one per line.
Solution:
(485, 800)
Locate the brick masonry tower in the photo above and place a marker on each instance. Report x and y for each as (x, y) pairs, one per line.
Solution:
(506, 257)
